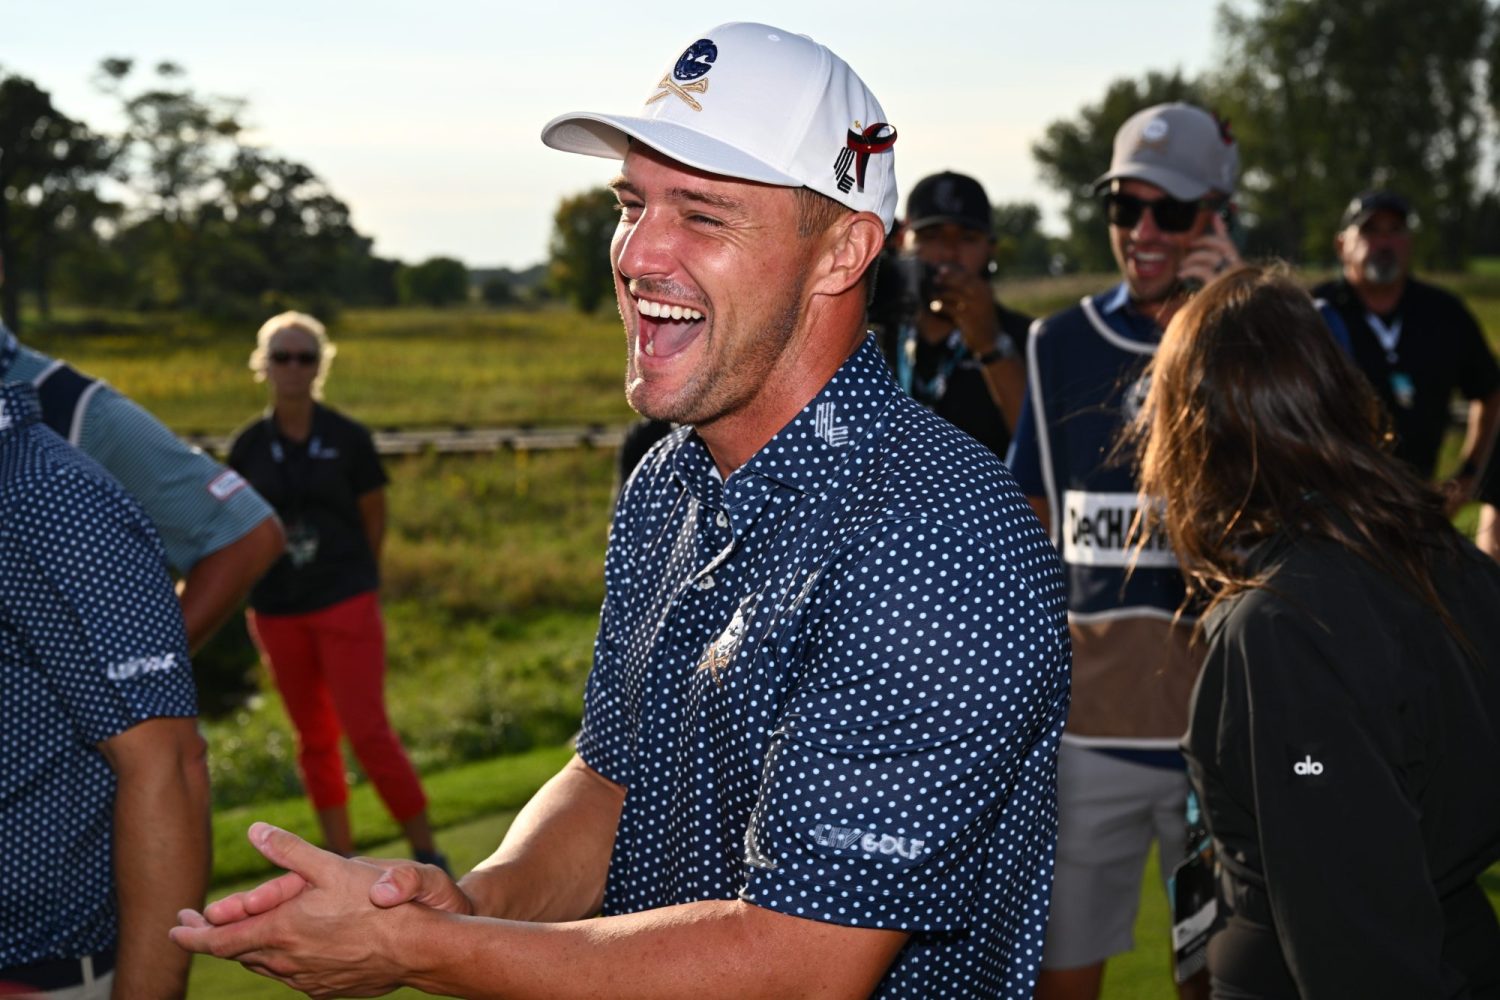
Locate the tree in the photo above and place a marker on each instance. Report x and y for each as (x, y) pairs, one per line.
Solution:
(1330, 97)
(579, 267)
(50, 166)
(497, 291)
(440, 281)
(1073, 152)
(173, 153)
(1020, 245)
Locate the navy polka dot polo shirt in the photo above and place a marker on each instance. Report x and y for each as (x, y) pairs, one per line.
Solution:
(834, 685)
(91, 643)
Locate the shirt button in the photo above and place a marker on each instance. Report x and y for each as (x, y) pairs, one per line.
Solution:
(721, 519)
(706, 583)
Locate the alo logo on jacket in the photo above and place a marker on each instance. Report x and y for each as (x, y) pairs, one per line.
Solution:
(1307, 767)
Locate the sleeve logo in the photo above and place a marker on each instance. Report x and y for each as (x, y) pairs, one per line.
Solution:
(140, 666)
(226, 484)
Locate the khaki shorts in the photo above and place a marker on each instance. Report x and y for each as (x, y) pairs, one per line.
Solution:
(1109, 811)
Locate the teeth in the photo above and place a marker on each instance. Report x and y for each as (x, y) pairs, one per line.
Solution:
(651, 348)
(660, 310)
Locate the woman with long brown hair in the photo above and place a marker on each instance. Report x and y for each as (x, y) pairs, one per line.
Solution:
(1345, 732)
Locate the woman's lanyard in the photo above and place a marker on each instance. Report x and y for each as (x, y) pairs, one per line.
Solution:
(927, 391)
(293, 480)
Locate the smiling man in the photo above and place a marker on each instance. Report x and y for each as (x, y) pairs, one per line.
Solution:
(1121, 780)
(819, 736)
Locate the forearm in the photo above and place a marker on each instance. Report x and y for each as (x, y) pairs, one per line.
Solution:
(215, 585)
(1006, 380)
(708, 948)
(161, 858)
(372, 520)
(555, 856)
(1479, 437)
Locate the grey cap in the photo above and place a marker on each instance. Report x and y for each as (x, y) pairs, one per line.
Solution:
(1180, 148)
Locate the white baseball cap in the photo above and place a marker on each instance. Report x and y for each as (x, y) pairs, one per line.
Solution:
(760, 104)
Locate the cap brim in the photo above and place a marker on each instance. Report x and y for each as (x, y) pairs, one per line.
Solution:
(609, 136)
(957, 220)
(1179, 186)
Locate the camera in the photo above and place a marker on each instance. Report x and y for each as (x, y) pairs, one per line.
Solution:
(915, 282)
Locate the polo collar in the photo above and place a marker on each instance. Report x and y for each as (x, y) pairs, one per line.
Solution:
(1115, 308)
(19, 407)
(9, 348)
(807, 454)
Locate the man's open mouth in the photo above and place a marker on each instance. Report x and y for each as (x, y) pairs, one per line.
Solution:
(667, 328)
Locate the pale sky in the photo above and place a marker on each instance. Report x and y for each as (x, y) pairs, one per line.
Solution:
(424, 117)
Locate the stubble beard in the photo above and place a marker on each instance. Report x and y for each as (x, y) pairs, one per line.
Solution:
(727, 381)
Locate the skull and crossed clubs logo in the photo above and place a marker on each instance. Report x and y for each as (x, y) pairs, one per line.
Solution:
(687, 77)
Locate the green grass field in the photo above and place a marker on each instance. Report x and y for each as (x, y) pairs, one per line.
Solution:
(493, 571)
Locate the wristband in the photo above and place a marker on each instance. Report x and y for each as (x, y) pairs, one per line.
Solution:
(1004, 350)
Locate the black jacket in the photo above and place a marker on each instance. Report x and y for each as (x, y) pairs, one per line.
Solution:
(1347, 752)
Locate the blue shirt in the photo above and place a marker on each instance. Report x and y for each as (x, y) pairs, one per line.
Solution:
(833, 686)
(197, 505)
(91, 643)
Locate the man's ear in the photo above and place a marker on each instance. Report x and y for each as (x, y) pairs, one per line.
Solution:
(851, 245)
(1338, 245)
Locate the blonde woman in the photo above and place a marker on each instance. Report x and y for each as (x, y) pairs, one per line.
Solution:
(316, 615)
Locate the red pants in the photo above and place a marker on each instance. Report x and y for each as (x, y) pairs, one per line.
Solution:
(330, 668)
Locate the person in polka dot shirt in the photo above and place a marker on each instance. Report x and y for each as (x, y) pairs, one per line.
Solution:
(819, 742)
(103, 780)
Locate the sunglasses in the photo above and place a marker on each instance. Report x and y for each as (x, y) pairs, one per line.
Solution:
(305, 358)
(1171, 215)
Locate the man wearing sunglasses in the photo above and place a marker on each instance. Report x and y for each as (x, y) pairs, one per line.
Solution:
(1121, 779)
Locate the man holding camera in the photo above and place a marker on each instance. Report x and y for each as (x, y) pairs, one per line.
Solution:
(950, 344)
(1122, 782)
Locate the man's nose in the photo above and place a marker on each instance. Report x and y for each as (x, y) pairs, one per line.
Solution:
(1145, 227)
(643, 248)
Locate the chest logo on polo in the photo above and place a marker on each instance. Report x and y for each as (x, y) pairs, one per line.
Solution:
(827, 427)
(689, 76)
(721, 651)
(872, 842)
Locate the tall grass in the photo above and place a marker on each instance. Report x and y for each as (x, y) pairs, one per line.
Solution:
(395, 368)
(491, 596)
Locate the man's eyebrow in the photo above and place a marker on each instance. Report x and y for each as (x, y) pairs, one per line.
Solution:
(723, 203)
(622, 185)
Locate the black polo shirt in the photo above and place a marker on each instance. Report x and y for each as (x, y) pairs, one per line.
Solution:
(1440, 349)
(315, 486)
